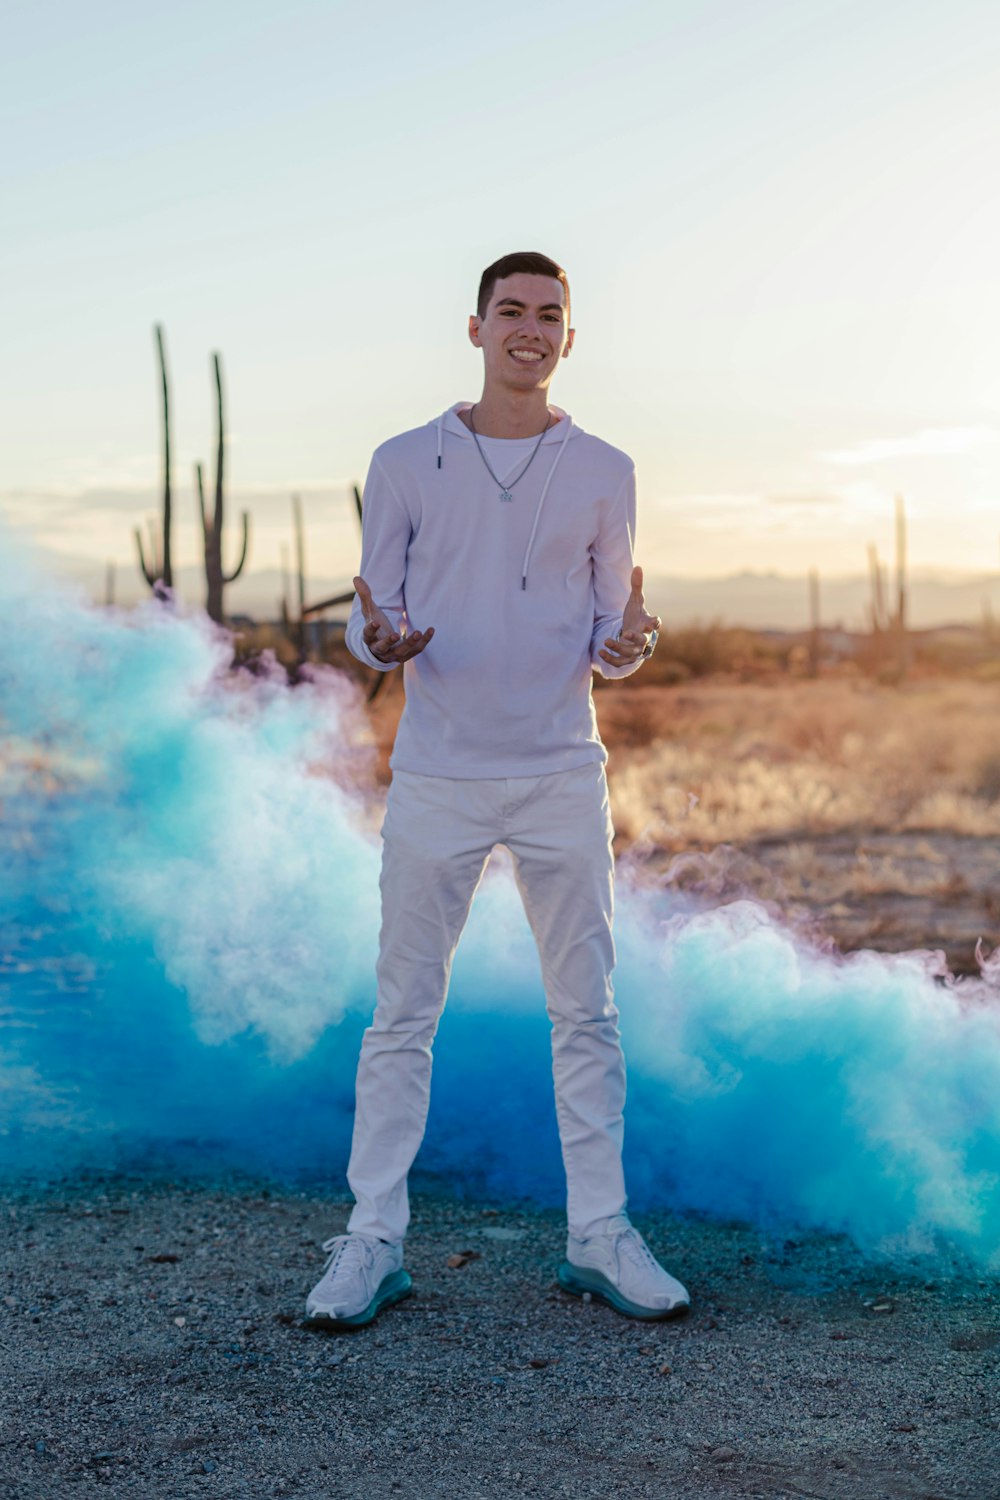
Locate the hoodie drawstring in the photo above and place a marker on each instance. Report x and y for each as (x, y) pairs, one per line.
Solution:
(541, 502)
(440, 425)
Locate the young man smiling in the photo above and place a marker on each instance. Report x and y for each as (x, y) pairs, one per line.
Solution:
(497, 564)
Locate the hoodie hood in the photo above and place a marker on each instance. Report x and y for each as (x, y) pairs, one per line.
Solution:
(450, 422)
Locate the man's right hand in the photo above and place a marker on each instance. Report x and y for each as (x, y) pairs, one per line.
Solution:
(380, 638)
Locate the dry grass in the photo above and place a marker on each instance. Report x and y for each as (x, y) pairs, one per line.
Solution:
(866, 815)
(708, 763)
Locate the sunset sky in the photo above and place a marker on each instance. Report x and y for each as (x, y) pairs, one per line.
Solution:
(779, 221)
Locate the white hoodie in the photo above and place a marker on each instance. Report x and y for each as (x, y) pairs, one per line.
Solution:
(521, 593)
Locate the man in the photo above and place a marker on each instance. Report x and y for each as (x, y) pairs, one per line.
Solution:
(497, 564)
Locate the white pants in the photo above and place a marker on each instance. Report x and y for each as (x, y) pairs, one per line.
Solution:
(437, 837)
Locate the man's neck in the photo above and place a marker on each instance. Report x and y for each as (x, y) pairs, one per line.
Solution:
(510, 414)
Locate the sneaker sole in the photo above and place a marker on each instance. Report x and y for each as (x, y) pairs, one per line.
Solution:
(580, 1279)
(394, 1287)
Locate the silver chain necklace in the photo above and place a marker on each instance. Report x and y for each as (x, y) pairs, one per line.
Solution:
(505, 489)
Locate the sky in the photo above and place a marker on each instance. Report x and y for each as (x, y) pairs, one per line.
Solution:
(779, 222)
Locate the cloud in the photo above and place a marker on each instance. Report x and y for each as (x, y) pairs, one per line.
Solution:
(929, 442)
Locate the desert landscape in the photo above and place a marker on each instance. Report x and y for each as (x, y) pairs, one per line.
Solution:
(864, 810)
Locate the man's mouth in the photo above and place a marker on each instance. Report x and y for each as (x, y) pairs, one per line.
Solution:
(527, 356)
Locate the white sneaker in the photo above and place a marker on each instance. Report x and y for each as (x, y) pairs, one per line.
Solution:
(361, 1276)
(619, 1267)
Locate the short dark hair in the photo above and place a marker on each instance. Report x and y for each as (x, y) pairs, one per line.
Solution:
(530, 261)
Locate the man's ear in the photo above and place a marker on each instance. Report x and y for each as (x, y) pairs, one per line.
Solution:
(474, 323)
(570, 336)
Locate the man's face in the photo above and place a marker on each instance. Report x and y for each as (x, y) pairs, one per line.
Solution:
(523, 335)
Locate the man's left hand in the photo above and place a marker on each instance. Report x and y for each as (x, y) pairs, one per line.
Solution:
(637, 626)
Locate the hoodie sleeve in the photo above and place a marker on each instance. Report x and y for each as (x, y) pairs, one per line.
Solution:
(613, 554)
(385, 537)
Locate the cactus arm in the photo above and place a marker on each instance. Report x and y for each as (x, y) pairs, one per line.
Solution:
(230, 577)
(167, 569)
(142, 560)
(220, 454)
(199, 485)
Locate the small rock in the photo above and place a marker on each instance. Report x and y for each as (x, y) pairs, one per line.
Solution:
(462, 1258)
(179, 1322)
(209, 1465)
(665, 1370)
(587, 1297)
(722, 1454)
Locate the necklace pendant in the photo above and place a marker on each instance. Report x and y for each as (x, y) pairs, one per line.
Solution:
(506, 495)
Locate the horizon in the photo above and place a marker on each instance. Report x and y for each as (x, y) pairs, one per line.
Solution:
(753, 598)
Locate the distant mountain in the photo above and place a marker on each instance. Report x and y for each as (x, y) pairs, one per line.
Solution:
(758, 600)
(770, 601)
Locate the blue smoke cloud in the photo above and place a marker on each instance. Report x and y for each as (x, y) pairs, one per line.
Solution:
(188, 930)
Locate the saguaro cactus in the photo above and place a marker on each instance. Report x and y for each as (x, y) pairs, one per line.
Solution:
(902, 643)
(286, 612)
(215, 577)
(877, 609)
(159, 569)
(298, 526)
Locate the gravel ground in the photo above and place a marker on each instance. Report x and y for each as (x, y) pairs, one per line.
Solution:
(154, 1345)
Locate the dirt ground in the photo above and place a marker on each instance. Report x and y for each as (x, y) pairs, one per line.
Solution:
(154, 1345)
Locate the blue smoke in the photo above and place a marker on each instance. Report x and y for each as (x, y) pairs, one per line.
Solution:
(188, 930)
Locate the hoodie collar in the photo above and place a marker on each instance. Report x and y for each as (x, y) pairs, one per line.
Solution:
(450, 421)
(453, 422)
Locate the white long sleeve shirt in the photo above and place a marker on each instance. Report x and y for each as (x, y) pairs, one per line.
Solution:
(521, 594)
